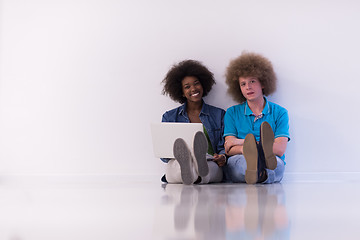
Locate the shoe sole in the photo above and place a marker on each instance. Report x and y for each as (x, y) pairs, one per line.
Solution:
(267, 142)
(200, 150)
(251, 156)
(183, 156)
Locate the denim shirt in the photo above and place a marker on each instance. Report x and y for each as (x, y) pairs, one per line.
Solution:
(211, 117)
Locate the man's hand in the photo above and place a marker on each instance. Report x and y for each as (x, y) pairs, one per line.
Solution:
(230, 142)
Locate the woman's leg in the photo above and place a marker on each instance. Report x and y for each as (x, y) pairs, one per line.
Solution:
(173, 172)
(215, 174)
(184, 159)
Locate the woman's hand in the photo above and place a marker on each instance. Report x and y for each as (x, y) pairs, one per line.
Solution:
(220, 160)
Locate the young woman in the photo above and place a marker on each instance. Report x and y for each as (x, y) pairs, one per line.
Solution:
(256, 130)
(187, 83)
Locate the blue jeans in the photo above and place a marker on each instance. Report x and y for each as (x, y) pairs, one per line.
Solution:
(234, 170)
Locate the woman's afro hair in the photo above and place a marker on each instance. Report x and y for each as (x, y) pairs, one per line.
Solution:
(173, 79)
(250, 65)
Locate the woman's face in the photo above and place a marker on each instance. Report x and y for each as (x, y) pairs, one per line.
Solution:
(192, 89)
(251, 88)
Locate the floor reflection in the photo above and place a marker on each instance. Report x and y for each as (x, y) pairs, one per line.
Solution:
(222, 211)
(257, 212)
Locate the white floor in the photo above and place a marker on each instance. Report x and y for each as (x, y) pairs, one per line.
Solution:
(111, 207)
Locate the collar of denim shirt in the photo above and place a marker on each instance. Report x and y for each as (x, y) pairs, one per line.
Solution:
(204, 109)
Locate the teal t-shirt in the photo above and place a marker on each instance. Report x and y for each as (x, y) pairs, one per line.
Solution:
(239, 121)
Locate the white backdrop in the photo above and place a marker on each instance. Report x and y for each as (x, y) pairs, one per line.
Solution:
(80, 79)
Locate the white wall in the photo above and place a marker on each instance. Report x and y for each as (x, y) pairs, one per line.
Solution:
(80, 79)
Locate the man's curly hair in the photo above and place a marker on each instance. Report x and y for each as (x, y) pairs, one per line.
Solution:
(187, 68)
(250, 65)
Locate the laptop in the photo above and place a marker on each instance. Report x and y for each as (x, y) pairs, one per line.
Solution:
(164, 135)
